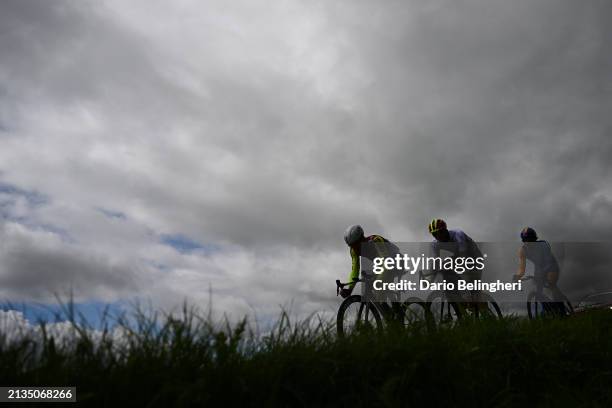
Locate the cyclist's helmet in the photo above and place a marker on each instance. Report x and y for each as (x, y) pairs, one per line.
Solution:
(436, 225)
(353, 235)
(528, 234)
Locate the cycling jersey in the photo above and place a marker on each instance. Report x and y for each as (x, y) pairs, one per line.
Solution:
(355, 254)
(460, 245)
(540, 254)
(545, 266)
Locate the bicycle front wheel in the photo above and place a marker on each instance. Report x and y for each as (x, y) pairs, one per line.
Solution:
(441, 311)
(357, 316)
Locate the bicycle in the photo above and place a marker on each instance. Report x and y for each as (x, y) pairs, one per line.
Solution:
(449, 307)
(544, 306)
(357, 315)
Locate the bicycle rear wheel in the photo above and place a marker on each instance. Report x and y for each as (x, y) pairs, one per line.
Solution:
(538, 308)
(486, 307)
(415, 313)
(357, 316)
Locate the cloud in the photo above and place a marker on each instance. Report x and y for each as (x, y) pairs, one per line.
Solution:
(39, 265)
(14, 327)
(264, 132)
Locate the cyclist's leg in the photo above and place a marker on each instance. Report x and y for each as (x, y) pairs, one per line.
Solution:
(548, 306)
(396, 309)
(551, 283)
(475, 299)
(384, 308)
(391, 311)
(392, 299)
(539, 282)
(556, 294)
(540, 299)
(451, 307)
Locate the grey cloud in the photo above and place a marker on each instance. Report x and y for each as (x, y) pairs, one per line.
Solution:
(489, 94)
(36, 266)
(273, 129)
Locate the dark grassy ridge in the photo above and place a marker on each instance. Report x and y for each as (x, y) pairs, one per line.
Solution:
(188, 361)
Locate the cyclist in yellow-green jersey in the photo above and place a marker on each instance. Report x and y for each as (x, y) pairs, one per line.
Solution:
(354, 237)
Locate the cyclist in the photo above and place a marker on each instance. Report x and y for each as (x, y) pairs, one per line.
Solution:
(546, 267)
(354, 238)
(459, 244)
(456, 241)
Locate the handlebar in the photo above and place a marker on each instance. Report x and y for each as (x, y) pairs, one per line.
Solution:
(340, 285)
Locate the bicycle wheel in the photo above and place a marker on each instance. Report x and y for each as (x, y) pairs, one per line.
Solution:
(441, 311)
(357, 316)
(415, 312)
(537, 308)
(486, 307)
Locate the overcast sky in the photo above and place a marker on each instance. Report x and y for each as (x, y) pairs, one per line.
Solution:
(157, 149)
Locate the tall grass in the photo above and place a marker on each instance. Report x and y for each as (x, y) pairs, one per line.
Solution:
(186, 359)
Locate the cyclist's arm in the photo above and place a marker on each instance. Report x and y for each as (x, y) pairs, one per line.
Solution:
(522, 263)
(355, 268)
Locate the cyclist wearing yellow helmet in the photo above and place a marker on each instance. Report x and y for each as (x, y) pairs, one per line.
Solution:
(465, 245)
(457, 242)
